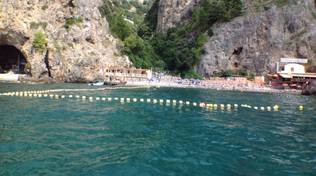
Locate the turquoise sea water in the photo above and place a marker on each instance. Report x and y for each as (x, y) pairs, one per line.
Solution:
(43, 136)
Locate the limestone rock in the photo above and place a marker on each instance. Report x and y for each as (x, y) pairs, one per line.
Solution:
(257, 42)
(77, 53)
(309, 88)
(172, 13)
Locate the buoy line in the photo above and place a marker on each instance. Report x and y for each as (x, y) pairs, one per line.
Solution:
(168, 102)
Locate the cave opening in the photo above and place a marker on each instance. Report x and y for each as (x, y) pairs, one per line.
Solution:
(12, 59)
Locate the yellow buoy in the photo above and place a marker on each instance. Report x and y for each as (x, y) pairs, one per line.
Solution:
(301, 107)
(276, 108)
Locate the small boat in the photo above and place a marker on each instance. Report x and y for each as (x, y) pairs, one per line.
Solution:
(97, 84)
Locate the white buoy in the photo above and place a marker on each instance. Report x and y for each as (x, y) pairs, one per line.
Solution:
(97, 98)
(155, 101)
(84, 97)
(180, 102)
(56, 96)
(134, 99)
(70, 96)
(187, 103)
(202, 105)
(174, 102)
(116, 99)
(194, 104)
(268, 108)
(128, 99)
(168, 101)
(40, 95)
(141, 100)
(148, 100)
(45, 95)
(161, 101)
(262, 108)
(103, 99)
(77, 96)
(109, 99)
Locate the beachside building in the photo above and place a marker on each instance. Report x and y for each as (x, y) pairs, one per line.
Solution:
(291, 72)
(128, 73)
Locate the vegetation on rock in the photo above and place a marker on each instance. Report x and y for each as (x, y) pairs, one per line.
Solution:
(39, 42)
(72, 21)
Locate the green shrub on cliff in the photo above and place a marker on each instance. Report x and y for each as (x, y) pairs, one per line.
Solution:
(72, 21)
(39, 42)
(141, 53)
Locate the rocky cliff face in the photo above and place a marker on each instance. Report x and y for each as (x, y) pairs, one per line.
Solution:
(172, 13)
(257, 41)
(77, 50)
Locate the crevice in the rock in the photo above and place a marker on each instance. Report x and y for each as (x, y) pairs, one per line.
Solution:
(238, 51)
(71, 4)
(46, 60)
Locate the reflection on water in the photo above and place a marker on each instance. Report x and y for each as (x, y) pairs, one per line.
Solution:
(75, 137)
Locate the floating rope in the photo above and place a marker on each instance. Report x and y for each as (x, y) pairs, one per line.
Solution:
(209, 106)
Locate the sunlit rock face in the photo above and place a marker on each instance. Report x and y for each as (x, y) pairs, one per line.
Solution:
(76, 50)
(256, 42)
(172, 13)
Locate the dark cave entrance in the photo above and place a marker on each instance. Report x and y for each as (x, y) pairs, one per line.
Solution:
(11, 59)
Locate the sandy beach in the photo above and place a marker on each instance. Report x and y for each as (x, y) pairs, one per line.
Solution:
(229, 84)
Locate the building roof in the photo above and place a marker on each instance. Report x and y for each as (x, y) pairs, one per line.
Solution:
(299, 75)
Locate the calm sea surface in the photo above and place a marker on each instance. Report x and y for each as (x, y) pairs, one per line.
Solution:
(43, 136)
